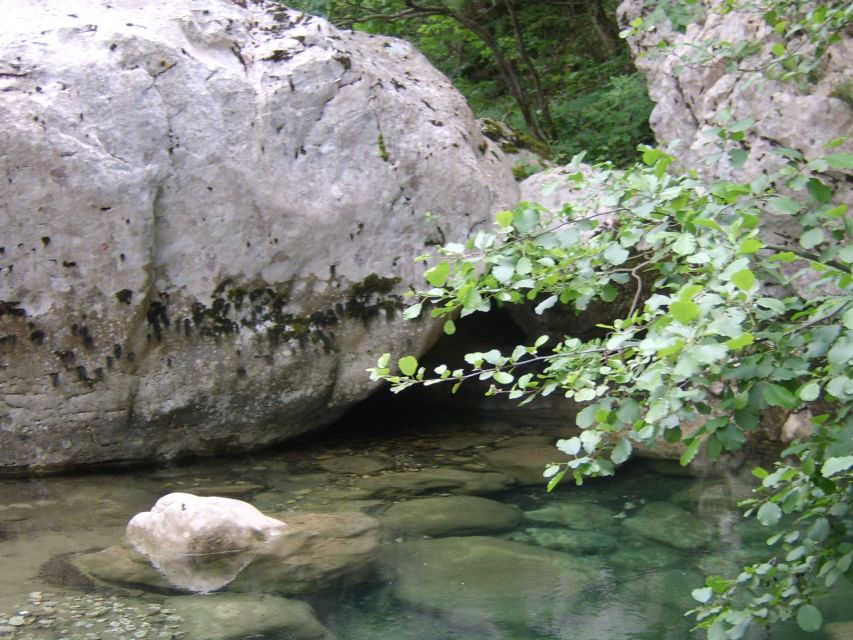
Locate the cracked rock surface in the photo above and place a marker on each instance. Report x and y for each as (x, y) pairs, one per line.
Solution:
(209, 212)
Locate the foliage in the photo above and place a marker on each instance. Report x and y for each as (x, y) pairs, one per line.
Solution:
(720, 326)
(556, 76)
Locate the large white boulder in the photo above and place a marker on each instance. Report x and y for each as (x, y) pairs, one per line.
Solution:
(201, 544)
(209, 212)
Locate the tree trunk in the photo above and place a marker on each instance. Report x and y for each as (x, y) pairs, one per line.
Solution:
(541, 98)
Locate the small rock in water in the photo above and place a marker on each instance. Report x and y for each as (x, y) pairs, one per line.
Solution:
(17, 621)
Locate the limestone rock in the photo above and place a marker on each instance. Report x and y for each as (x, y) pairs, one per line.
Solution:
(482, 583)
(691, 100)
(452, 516)
(412, 483)
(208, 217)
(229, 616)
(201, 544)
(671, 525)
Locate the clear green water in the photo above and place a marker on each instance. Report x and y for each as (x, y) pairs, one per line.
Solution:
(643, 595)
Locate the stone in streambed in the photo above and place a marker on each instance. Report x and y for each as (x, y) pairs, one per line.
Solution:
(410, 483)
(227, 616)
(670, 525)
(452, 516)
(524, 462)
(563, 539)
(575, 515)
(484, 582)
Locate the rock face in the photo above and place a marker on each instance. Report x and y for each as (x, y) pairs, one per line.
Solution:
(691, 100)
(209, 209)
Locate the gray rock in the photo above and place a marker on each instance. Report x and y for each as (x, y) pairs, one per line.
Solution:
(574, 515)
(481, 583)
(227, 616)
(209, 206)
(670, 525)
(571, 540)
(354, 464)
(452, 516)
(410, 483)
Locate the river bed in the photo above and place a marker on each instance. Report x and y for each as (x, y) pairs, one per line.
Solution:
(628, 580)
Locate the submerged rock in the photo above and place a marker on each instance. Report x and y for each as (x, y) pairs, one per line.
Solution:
(670, 525)
(482, 583)
(571, 540)
(452, 516)
(524, 462)
(229, 616)
(208, 210)
(576, 515)
(411, 483)
(317, 551)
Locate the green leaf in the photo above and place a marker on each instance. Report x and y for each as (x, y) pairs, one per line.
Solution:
(778, 396)
(690, 452)
(784, 204)
(504, 218)
(684, 311)
(685, 245)
(408, 365)
(437, 275)
(503, 377)
(413, 312)
(744, 340)
(809, 391)
(585, 395)
(586, 417)
(503, 273)
(546, 304)
(819, 191)
(621, 452)
(750, 245)
(738, 157)
(615, 254)
(743, 125)
(836, 465)
(809, 618)
(811, 238)
(702, 595)
(769, 514)
(743, 279)
(840, 160)
(449, 327)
